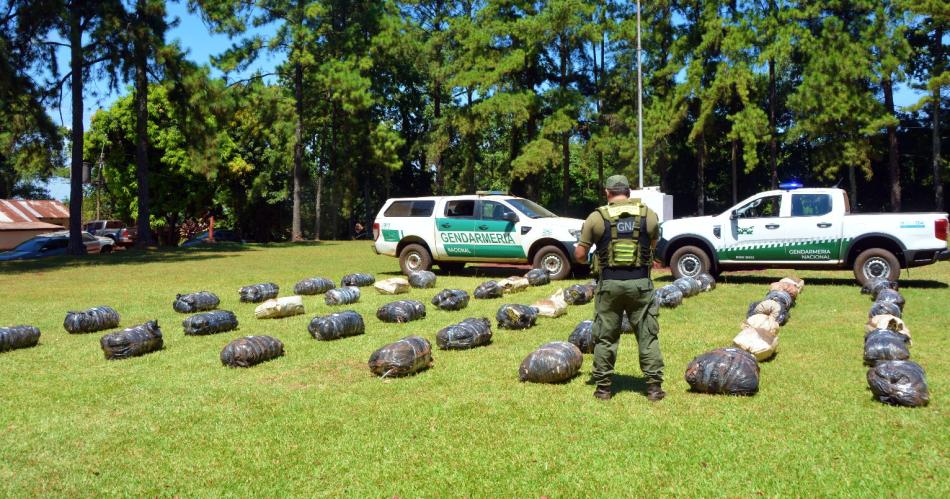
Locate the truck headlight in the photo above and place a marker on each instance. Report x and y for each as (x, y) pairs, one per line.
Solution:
(576, 233)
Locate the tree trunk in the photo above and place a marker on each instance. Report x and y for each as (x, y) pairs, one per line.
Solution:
(601, 195)
(316, 207)
(852, 186)
(437, 105)
(144, 237)
(935, 120)
(735, 171)
(565, 138)
(76, 246)
(773, 139)
(893, 162)
(295, 230)
(701, 176)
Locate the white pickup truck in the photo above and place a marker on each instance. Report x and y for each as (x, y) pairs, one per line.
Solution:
(803, 228)
(450, 231)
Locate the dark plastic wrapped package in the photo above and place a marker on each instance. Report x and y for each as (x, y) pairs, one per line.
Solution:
(551, 363)
(336, 326)
(538, 277)
(884, 344)
(781, 315)
(196, 302)
(470, 333)
(514, 316)
(422, 279)
(407, 356)
(726, 370)
(688, 285)
(582, 337)
(884, 308)
(669, 296)
(899, 382)
(878, 284)
(487, 290)
(890, 296)
(217, 321)
(256, 293)
(579, 294)
(401, 311)
(342, 296)
(313, 286)
(16, 337)
(92, 320)
(358, 280)
(251, 350)
(706, 282)
(132, 341)
(451, 299)
(782, 297)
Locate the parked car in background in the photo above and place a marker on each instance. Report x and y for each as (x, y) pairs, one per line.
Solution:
(116, 230)
(220, 236)
(55, 244)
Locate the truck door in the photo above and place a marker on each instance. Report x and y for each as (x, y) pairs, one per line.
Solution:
(498, 232)
(455, 229)
(757, 231)
(814, 228)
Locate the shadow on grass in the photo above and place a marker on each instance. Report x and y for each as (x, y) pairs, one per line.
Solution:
(487, 272)
(826, 281)
(628, 383)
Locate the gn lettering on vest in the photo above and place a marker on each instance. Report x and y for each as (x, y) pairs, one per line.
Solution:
(626, 225)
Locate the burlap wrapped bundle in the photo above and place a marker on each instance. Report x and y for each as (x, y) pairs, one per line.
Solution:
(582, 337)
(251, 350)
(514, 316)
(358, 280)
(762, 323)
(92, 320)
(392, 286)
(470, 333)
(313, 286)
(551, 363)
(789, 288)
(730, 371)
(281, 307)
(899, 382)
(407, 356)
(513, 284)
(342, 296)
(579, 294)
(451, 299)
(884, 344)
(336, 326)
(16, 337)
(889, 322)
(401, 311)
(488, 290)
(552, 306)
(422, 279)
(256, 293)
(538, 277)
(132, 341)
(759, 343)
(217, 321)
(195, 302)
(771, 308)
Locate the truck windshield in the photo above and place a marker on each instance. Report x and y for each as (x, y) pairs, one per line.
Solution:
(530, 208)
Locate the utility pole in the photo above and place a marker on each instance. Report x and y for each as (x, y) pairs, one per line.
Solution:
(639, 101)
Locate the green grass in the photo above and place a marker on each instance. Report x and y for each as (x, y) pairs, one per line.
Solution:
(316, 422)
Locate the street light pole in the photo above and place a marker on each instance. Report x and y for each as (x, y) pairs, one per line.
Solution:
(639, 101)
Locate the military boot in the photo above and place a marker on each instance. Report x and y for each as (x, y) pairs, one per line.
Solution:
(603, 393)
(654, 392)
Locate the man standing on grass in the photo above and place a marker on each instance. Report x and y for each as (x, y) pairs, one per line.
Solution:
(625, 232)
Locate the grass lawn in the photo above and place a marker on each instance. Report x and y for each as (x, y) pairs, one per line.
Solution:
(316, 422)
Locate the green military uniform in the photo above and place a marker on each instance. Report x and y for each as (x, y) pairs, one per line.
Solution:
(624, 283)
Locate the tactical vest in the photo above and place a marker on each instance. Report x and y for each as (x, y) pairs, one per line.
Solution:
(625, 246)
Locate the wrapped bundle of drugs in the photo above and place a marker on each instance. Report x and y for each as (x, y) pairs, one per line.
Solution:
(579, 294)
(337, 325)
(782, 297)
(451, 299)
(251, 350)
(342, 296)
(582, 337)
(552, 306)
(16, 337)
(257, 293)
(538, 277)
(669, 296)
(890, 296)
(706, 282)
(688, 286)
(762, 323)
(878, 284)
(422, 279)
(470, 333)
(392, 286)
(313, 286)
(132, 341)
(884, 344)
(514, 316)
(899, 382)
(216, 321)
(884, 308)
(890, 322)
(401, 311)
(407, 356)
(759, 343)
(513, 284)
(195, 302)
(92, 320)
(358, 280)
(730, 371)
(280, 307)
(771, 308)
(487, 290)
(551, 363)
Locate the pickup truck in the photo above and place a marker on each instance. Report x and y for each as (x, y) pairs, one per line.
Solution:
(803, 228)
(450, 231)
(113, 229)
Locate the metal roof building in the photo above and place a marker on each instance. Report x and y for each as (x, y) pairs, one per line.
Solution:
(23, 219)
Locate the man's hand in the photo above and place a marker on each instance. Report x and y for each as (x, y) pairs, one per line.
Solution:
(580, 253)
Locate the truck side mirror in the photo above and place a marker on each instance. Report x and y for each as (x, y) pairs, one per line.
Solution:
(734, 215)
(510, 216)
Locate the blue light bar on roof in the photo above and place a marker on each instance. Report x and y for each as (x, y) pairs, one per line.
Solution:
(790, 185)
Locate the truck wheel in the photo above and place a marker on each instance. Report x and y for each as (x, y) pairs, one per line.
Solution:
(876, 262)
(106, 249)
(452, 267)
(689, 261)
(414, 257)
(553, 260)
